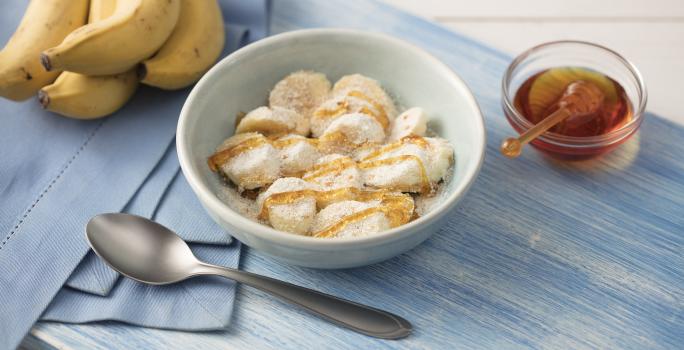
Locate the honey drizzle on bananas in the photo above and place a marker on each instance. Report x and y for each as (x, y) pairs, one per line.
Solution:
(397, 207)
(335, 166)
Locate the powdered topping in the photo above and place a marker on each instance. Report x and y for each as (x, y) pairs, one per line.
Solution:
(301, 91)
(368, 87)
(349, 131)
(335, 171)
(275, 121)
(337, 106)
(412, 122)
(352, 180)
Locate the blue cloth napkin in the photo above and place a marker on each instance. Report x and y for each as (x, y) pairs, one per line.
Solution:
(56, 173)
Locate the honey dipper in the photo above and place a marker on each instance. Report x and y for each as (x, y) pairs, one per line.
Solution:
(580, 98)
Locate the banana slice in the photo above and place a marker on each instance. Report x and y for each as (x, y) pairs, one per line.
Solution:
(301, 91)
(334, 171)
(350, 131)
(337, 220)
(369, 88)
(404, 169)
(291, 212)
(297, 154)
(412, 122)
(248, 160)
(273, 121)
(337, 106)
(441, 158)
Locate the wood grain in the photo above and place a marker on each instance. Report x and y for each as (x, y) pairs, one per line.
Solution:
(538, 255)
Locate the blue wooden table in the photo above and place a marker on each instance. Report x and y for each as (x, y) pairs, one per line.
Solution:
(539, 254)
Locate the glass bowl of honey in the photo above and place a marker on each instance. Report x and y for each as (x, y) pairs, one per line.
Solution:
(535, 81)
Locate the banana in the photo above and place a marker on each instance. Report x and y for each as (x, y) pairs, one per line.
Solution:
(101, 9)
(136, 30)
(45, 23)
(191, 49)
(412, 122)
(85, 97)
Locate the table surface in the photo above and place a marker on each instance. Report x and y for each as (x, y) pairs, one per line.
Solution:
(649, 33)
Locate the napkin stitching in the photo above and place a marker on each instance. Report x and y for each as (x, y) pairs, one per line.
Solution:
(51, 184)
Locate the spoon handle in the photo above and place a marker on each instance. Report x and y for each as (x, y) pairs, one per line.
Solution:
(360, 318)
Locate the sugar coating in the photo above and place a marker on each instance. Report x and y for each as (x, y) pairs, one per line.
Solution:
(411, 122)
(348, 131)
(336, 212)
(300, 91)
(297, 157)
(348, 176)
(404, 175)
(368, 87)
(273, 121)
(237, 139)
(253, 168)
(356, 128)
(295, 217)
(348, 104)
(441, 158)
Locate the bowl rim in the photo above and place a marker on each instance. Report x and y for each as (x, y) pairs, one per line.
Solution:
(577, 141)
(213, 203)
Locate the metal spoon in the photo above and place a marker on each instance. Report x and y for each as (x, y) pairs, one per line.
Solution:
(148, 252)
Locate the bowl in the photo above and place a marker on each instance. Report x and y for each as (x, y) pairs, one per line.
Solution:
(570, 53)
(242, 81)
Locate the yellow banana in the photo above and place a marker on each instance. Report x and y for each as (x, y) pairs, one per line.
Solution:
(88, 97)
(136, 30)
(101, 9)
(85, 97)
(191, 49)
(45, 24)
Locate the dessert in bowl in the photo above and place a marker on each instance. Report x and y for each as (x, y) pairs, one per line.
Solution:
(243, 81)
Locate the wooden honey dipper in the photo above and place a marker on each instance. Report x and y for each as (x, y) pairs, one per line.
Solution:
(580, 98)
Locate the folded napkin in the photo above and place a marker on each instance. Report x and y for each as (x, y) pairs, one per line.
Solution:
(56, 173)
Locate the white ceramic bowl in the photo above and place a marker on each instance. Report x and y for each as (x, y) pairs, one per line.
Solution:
(242, 81)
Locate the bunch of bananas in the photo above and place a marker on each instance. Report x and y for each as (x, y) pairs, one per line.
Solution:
(85, 58)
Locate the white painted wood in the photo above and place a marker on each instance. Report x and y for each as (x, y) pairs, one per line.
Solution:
(655, 48)
(649, 33)
(656, 9)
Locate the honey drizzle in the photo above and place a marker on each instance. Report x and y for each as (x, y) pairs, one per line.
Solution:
(382, 118)
(284, 143)
(425, 181)
(336, 166)
(343, 108)
(416, 140)
(397, 207)
(222, 157)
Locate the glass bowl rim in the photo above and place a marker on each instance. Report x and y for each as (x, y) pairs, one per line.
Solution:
(575, 141)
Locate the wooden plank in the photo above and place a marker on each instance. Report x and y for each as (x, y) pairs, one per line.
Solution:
(655, 48)
(515, 267)
(671, 10)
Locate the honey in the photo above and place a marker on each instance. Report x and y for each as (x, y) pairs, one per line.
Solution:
(537, 99)
(335, 166)
(397, 207)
